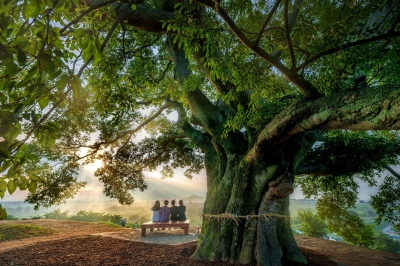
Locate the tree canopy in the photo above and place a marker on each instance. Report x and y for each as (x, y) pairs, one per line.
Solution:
(313, 84)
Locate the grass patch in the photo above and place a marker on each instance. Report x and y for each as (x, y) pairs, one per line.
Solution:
(10, 232)
(110, 224)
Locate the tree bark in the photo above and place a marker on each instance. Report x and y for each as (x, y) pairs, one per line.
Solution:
(254, 187)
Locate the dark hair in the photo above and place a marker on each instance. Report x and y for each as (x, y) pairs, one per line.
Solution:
(156, 206)
(173, 202)
(166, 202)
(181, 202)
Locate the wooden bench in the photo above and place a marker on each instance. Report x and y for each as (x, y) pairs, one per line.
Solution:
(171, 224)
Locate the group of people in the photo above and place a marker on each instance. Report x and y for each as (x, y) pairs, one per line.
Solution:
(165, 213)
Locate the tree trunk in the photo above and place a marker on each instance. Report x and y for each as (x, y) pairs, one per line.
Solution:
(249, 187)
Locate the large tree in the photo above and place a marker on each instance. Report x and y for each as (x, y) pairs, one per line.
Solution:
(268, 94)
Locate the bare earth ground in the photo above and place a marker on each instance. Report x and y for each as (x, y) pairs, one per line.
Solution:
(79, 243)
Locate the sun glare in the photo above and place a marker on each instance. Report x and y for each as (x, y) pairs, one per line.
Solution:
(93, 166)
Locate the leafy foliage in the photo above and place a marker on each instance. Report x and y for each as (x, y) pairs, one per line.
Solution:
(3, 213)
(57, 214)
(81, 80)
(385, 243)
(85, 216)
(333, 208)
(311, 225)
(386, 201)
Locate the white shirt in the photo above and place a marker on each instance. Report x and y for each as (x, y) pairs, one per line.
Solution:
(156, 216)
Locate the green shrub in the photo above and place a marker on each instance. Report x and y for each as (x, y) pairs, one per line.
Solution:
(90, 216)
(108, 223)
(311, 225)
(132, 225)
(385, 243)
(3, 213)
(116, 219)
(57, 215)
(12, 217)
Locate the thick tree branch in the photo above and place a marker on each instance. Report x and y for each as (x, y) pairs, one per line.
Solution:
(149, 19)
(221, 87)
(375, 108)
(316, 169)
(393, 172)
(121, 16)
(291, 75)
(199, 138)
(295, 12)
(144, 17)
(210, 117)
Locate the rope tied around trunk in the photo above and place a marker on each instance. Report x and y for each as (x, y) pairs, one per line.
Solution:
(237, 218)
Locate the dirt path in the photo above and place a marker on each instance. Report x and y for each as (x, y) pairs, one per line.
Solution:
(72, 232)
(345, 254)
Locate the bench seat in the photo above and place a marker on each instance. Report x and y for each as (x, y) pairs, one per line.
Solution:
(170, 224)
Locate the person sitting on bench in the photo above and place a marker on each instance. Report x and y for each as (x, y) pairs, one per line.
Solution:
(181, 211)
(156, 211)
(174, 211)
(164, 212)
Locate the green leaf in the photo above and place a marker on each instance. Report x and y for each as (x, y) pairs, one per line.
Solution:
(24, 184)
(46, 63)
(19, 155)
(79, 33)
(31, 10)
(43, 102)
(32, 157)
(76, 86)
(62, 82)
(5, 154)
(4, 22)
(11, 68)
(32, 186)
(3, 186)
(21, 57)
(31, 171)
(35, 178)
(11, 172)
(4, 53)
(33, 47)
(11, 186)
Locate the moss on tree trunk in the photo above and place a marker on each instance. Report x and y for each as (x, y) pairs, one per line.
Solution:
(249, 187)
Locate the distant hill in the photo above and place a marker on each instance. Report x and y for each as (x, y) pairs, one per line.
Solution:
(194, 199)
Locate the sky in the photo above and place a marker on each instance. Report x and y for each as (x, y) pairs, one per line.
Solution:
(158, 188)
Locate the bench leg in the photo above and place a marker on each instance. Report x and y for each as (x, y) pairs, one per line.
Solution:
(143, 231)
(186, 230)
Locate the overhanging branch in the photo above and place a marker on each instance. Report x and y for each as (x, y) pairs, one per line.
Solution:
(348, 45)
(368, 109)
(290, 75)
(393, 172)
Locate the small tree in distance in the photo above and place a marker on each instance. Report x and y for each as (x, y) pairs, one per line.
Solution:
(311, 225)
(3, 213)
(385, 243)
